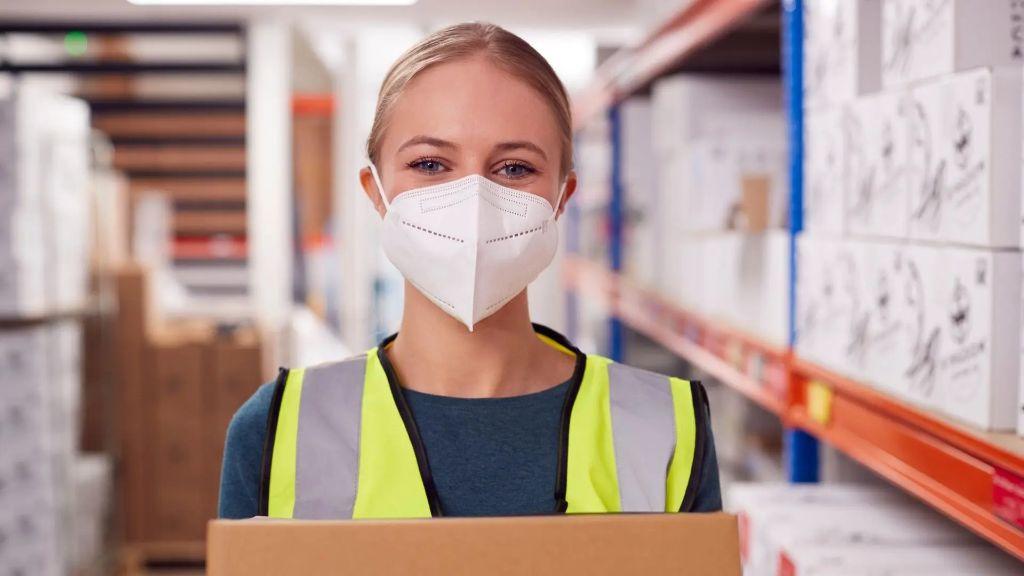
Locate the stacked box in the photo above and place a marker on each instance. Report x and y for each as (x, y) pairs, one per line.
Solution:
(928, 38)
(965, 173)
(721, 178)
(842, 47)
(979, 355)
(824, 171)
(877, 137)
(844, 529)
(923, 181)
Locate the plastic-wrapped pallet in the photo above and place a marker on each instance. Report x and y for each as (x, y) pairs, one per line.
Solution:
(38, 401)
(44, 202)
(92, 479)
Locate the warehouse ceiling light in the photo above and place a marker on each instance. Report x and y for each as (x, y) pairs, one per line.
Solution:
(273, 2)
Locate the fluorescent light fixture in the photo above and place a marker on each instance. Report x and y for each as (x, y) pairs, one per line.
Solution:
(273, 2)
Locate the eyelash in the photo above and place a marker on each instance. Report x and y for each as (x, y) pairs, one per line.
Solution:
(418, 165)
(515, 163)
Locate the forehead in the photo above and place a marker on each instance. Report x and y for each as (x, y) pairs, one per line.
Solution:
(472, 102)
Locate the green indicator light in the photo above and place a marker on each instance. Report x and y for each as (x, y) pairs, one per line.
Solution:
(76, 43)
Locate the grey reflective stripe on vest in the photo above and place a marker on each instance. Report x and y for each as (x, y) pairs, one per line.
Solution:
(327, 448)
(643, 428)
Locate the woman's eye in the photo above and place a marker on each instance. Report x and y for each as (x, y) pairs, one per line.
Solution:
(516, 170)
(432, 166)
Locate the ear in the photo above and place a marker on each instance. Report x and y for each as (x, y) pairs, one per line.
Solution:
(370, 189)
(570, 189)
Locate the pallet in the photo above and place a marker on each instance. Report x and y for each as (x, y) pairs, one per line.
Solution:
(163, 559)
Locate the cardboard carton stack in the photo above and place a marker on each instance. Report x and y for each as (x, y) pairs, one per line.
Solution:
(846, 529)
(178, 385)
(704, 167)
(909, 266)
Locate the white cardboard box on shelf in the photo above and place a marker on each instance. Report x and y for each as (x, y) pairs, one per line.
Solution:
(927, 158)
(1020, 379)
(830, 303)
(842, 50)
(887, 342)
(920, 382)
(904, 560)
(761, 277)
(785, 531)
(979, 361)
(928, 38)
(824, 171)
(810, 333)
(877, 139)
(981, 188)
(687, 106)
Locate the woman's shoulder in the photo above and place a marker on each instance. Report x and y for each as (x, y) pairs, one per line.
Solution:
(251, 417)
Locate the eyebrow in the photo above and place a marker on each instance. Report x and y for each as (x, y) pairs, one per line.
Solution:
(500, 147)
(520, 145)
(429, 140)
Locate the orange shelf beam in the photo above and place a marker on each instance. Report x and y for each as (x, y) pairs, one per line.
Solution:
(951, 467)
(737, 360)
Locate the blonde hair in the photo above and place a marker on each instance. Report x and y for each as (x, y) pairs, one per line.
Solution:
(505, 49)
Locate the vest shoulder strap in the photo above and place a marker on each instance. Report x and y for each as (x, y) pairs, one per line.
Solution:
(327, 400)
(647, 455)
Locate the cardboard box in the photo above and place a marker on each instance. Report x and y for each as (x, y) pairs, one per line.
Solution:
(791, 530)
(888, 339)
(693, 544)
(981, 187)
(687, 107)
(925, 38)
(832, 304)
(979, 359)
(842, 50)
(824, 171)
(923, 314)
(235, 372)
(928, 157)
(178, 503)
(964, 161)
(903, 560)
(877, 138)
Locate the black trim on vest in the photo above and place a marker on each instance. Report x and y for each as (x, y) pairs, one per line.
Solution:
(561, 505)
(410, 428)
(562, 477)
(263, 503)
(701, 409)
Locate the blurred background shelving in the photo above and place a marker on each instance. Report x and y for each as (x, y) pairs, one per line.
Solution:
(180, 216)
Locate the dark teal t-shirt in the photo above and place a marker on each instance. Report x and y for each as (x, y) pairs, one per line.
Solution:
(488, 456)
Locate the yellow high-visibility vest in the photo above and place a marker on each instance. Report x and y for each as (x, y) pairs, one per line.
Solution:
(342, 442)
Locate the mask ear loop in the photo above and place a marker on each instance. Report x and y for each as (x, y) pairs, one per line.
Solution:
(380, 187)
(558, 202)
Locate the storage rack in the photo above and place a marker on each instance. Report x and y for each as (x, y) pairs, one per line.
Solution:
(975, 478)
(192, 148)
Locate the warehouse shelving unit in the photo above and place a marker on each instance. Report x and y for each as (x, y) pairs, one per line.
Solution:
(976, 478)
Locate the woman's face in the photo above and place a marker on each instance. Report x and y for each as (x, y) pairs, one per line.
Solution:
(469, 117)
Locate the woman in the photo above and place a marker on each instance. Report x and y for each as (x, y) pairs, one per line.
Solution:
(470, 409)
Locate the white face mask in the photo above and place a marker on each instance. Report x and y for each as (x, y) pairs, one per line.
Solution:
(469, 245)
